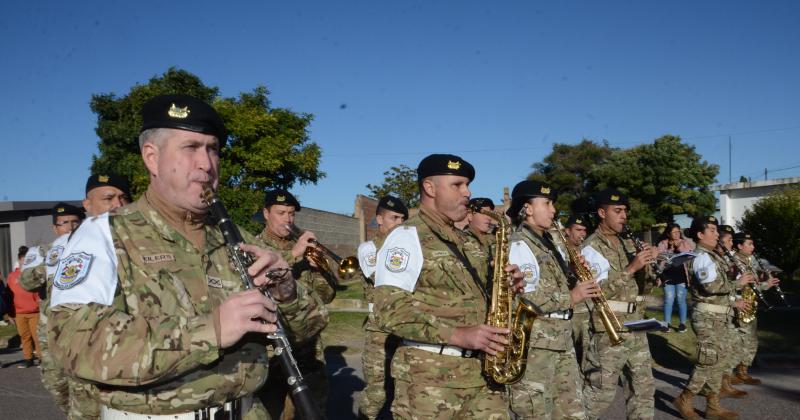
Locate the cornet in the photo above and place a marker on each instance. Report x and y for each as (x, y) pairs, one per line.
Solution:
(316, 253)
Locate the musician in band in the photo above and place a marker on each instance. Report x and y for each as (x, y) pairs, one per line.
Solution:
(481, 226)
(279, 210)
(747, 345)
(378, 346)
(551, 387)
(575, 231)
(625, 278)
(145, 304)
(431, 290)
(714, 301)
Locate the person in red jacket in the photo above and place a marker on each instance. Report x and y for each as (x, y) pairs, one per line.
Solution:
(26, 307)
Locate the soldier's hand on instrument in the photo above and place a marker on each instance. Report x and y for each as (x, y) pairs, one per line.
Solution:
(305, 240)
(243, 312)
(771, 282)
(642, 259)
(584, 290)
(482, 337)
(517, 278)
(742, 305)
(282, 289)
(746, 279)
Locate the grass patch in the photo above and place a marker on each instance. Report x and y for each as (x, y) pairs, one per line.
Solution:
(345, 330)
(8, 331)
(353, 289)
(778, 333)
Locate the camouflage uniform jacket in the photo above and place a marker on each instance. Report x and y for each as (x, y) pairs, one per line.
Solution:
(711, 283)
(39, 267)
(615, 282)
(146, 334)
(547, 288)
(751, 263)
(310, 277)
(443, 296)
(487, 240)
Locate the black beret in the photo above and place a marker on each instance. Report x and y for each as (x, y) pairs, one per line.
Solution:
(183, 112)
(528, 189)
(611, 196)
(394, 204)
(63, 209)
(445, 165)
(577, 220)
(740, 237)
(725, 229)
(108, 180)
(280, 196)
(481, 202)
(699, 224)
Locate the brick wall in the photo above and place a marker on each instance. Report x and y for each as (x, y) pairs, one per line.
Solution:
(336, 231)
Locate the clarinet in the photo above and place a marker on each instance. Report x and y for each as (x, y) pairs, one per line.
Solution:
(301, 394)
(777, 288)
(731, 258)
(626, 232)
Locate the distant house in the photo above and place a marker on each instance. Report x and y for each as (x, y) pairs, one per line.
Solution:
(24, 223)
(737, 197)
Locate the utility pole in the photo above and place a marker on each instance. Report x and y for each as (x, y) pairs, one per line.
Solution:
(765, 174)
(730, 166)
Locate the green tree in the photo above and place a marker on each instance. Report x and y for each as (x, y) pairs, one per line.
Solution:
(266, 147)
(663, 179)
(774, 222)
(566, 168)
(400, 181)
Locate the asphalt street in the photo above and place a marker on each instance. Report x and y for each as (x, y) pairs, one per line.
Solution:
(23, 397)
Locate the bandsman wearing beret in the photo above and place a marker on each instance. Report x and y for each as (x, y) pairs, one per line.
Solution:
(714, 300)
(726, 237)
(37, 275)
(145, 303)
(575, 231)
(378, 346)
(104, 192)
(431, 291)
(479, 225)
(279, 210)
(624, 283)
(551, 387)
(747, 344)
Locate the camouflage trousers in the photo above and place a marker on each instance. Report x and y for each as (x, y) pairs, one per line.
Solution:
(746, 343)
(376, 361)
(603, 366)
(713, 344)
(428, 401)
(551, 387)
(83, 401)
(580, 335)
(275, 392)
(53, 377)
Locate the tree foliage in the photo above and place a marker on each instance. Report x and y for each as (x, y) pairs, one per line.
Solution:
(400, 181)
(266, 147)
(566, 168)
(664, 178)
(774, 222)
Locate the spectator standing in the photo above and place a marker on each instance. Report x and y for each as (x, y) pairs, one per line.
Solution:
(675, 279)
(26, 307)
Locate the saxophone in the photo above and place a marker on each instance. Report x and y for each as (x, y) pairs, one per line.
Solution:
(607, 317)
(507, 366)
(750, 293)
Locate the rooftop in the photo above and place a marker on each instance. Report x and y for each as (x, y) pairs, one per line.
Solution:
(755, 184)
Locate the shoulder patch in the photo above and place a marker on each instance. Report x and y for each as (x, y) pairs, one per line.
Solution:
(598, 264)
(72, 270)
(520, 253)
(32, 258)
(53, 255)
(704, 268)
(400, 260)
(367, 256)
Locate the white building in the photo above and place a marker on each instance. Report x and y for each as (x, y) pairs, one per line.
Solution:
(737, 197)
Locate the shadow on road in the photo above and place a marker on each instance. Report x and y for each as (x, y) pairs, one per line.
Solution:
(667, 355)
(344, 383)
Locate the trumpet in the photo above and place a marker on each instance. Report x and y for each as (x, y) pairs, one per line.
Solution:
(316, 253)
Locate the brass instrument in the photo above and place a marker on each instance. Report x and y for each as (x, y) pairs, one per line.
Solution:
(750, 293)
(316, 253)
(507, 366)
(607, 316)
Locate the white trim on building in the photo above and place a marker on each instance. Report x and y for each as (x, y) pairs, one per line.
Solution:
(737, 197)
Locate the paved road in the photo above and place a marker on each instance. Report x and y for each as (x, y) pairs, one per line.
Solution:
(23, 397)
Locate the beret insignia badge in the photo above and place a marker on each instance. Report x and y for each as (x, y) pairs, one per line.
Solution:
(176, 112)
(102, 178)
(614, 197)
(453, 165)
(280, 198)
(545, 190)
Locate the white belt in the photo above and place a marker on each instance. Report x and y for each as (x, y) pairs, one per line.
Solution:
(624, 307)
(710, 307)
(443, 349)
(369, 306)
(237, 407)
(565, 315)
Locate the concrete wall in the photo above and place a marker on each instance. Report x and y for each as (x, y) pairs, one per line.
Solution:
(736, 198)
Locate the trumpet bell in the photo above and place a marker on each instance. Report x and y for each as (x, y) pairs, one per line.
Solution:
(348, 267)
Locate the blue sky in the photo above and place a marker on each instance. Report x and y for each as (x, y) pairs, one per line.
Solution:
(496, 82)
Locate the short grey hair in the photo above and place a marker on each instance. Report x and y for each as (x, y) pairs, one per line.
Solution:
(153, 135)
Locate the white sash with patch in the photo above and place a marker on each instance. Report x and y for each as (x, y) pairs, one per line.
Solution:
(54, 255)
(367, 255)
(33, 258)
(704, 268)
(520, 253)
(399, 260)
(598, 264)
(87, 271)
